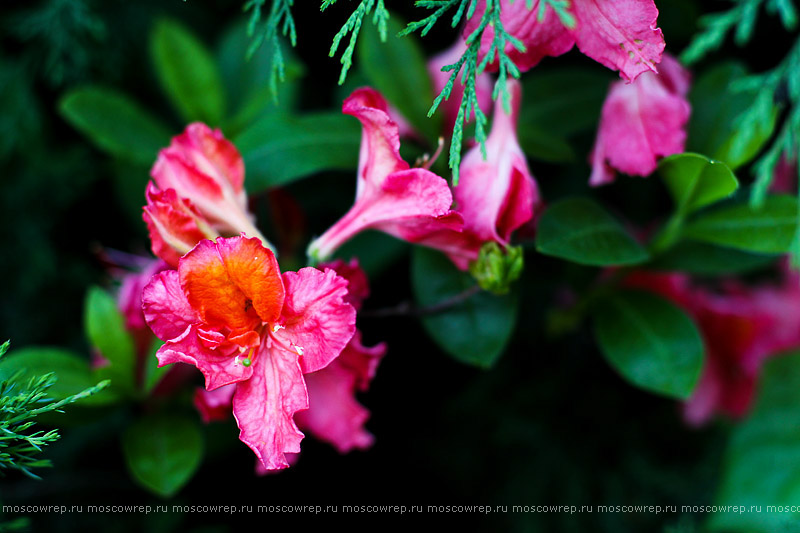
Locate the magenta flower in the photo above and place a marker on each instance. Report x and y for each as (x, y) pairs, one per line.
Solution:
(641, 122)
(334, 415)
(228, 311)
(622, 35)
(198, 193)
(741, 327)
(495, 195)
(408, 203)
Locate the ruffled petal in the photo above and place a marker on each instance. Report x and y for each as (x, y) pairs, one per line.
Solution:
(210, 282)
(212, 154)
(264, 406)
(640, 123)
(622, 35)
(380, 140)
(547, 37)
(166, 309)
(357, 282)
(334, 415)
(317, 321)
(220, 364)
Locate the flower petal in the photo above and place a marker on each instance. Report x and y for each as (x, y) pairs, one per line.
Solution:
(212, 154)
(264, 406)
(220, 365)
(621, 35)
(380, 140)
(216, 405)
(334, 415)
(166, 309)
(318, 322)
(232, 282)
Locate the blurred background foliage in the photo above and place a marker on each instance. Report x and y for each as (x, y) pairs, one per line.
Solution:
(551, 423)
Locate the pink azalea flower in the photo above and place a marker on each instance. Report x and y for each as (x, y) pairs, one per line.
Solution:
(228, 311)
(495, 195)
(641, 122)
(334, 415)
(622, 35)
(408, 203)
(205, 174)
(741, 327)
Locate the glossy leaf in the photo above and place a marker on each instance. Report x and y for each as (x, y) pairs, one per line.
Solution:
(105, 327)
(650, 342)
(187, 73)
(695, 181)
(581, 231)
(279, 150)
(163, 452)
(767, 229)
(704, 259)
(410, 92)
(761, 465)
(475, 331)
(713, 126)
(115, 123)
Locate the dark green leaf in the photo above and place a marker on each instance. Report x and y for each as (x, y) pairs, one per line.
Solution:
(398, 70)
(279, 150)
(579, 230)
(152, 372)
(708, 260)
(768, 229)
(715, 110)
(105, 327)
(650, 342)
(696, 181)
(73, 374)
(163, 452)
(762, 462)
(477, 330)
(187, 73)
(115, 123)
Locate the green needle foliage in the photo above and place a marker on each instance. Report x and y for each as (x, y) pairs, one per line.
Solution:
(353, 26)
(471, 65)
(280, 21)
(19, 406)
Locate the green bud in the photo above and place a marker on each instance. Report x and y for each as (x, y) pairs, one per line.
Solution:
(497, 268)
(246, 362)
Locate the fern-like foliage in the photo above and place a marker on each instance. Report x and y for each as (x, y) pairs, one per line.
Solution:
(279, 22)
(473, 66)
(353, 27)
(20, 444)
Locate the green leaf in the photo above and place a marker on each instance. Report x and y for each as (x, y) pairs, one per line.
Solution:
(650, 342)
(72, 372)
(579, 230)
(704, 259)
(398, 70)
(477, 330)
(695, 181)
(715, 110)
(768, 229)
(115, 123)
(105, 327)
(152, 372)
(187, 73)
(761, 464)
(279, 150)
(163, 452)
